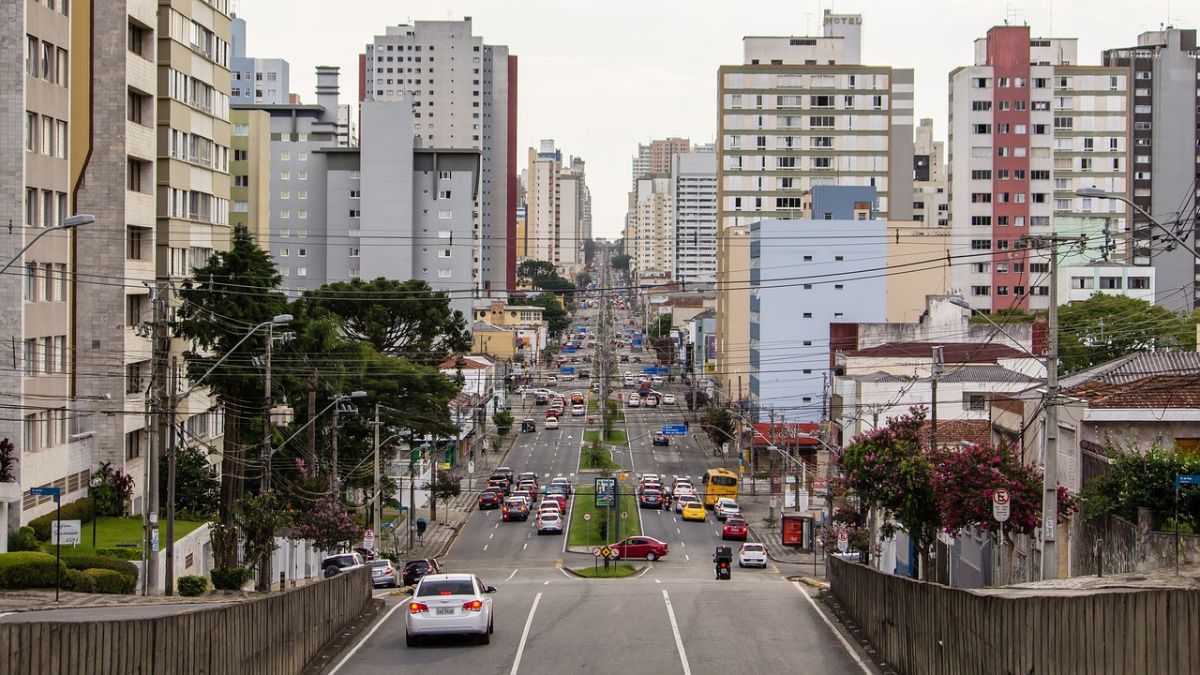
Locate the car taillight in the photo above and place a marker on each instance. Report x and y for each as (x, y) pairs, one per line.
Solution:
(473, 606)
(389, 571)
(417, 607)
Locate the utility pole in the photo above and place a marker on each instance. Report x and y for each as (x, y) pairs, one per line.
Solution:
(377, 512)
(172, 406)
(935, 372)
(1050, 476)
(160, 352)
(333, 468)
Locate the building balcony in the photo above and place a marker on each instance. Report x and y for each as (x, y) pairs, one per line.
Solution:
(141, 73)
(145, 11)
(140, 141)
(140, 209)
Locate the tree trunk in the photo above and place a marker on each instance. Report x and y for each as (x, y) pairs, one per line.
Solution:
(432, 502)
(310, 448)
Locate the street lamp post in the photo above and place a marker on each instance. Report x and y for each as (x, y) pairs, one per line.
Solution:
(1097, 193)
(69, 223)
(92, 485)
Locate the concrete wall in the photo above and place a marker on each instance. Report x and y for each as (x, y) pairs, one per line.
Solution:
(387, 190)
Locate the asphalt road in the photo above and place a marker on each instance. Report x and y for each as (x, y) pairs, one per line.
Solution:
(673, 617)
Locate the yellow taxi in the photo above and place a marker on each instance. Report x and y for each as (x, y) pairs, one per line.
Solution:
(694, 510)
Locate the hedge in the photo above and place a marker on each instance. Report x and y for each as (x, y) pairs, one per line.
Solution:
(88, 562)
(121, 552)
(231, 579)
(108, 581)
(79, 582)
(81, 510)
(23, 540)
(190, 587)
(29, 569)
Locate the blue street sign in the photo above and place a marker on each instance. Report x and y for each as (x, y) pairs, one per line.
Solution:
(45, 491)
(673, 430)
(1187, 479)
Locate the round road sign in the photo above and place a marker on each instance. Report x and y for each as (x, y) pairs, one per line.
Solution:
(614, 554)
(843, 540)
(624, 515)
(587, 517)
(596, 551)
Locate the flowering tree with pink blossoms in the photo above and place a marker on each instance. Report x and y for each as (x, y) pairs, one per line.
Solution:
(328, 523)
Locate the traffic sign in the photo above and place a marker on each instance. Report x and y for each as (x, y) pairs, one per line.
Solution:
(587, 517)
(843, 542)
(614, 554)
(45, 491)
(596, 552)
(624, 515)
(1001, 504)
(605, 551)
(673, 430)
(369, 540)
(65, 531)
(1187, 479)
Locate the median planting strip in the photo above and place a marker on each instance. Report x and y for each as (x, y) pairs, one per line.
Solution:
(585, 534)
(618, 571)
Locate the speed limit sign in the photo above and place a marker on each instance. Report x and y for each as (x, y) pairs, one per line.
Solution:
(587, 517)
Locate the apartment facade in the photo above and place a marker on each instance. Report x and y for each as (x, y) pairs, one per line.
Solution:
(255, 80)
(464, 97)
(250, 168)
(694, 211)
(930, 199)
(1164, 68)
(801, 112)
(558, 209)
(1028, 127)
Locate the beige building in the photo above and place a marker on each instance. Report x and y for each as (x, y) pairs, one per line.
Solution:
(930, 201)
(250, 168)
(654, 225)
(918, 254)
(492, 340)
(558, 208)
(35, 293)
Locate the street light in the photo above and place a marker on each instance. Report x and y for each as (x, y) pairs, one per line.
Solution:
(92, 485)
(68, 223)
(1097, 193)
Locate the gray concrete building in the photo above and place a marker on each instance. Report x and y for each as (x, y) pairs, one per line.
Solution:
(255, 80)
(464, 94)
(1165, 74)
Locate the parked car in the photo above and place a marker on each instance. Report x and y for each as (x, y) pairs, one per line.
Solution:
(515, 508)
(414, 570)
(383, 573)
(726, 507)
(735, 528)
(490, 499)
(334, 565)
(449, 604)
(661, 439)
(640, 547)
(752, 555)
(549, 522)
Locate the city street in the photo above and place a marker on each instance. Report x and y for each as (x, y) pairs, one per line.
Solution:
(672, 617)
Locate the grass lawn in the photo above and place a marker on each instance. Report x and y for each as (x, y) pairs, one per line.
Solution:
(585, 502)
(617, 437)
(612, 572)
(113, 531)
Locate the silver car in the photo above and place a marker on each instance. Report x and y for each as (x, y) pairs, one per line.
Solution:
(549, 522)
(449, 604)
(726, 507)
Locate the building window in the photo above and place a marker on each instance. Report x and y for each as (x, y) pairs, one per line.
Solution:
(1110, 283)
(133, 445)
(981, 290)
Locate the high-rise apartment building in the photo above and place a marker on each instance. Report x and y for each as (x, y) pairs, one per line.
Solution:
(654, 233)
(797, 113)
(1028, 127)
(464, 95)
(1164, 68)
(36, 293)
(255, 80)
(653, 158)
(250, 168)
(558, 207)
(931, 203)
(694, 211)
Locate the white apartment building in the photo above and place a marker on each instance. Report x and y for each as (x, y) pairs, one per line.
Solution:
(464, 97)
(931, 202)
(694, 209)
(797, 113)
(655, 226)
(1029, 126)
(558, 216)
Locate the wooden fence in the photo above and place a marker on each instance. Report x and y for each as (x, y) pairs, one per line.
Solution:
(920, 628)
(273, 635)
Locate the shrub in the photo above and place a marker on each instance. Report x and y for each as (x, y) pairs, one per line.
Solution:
(79, 582)
(81, 510)
(28, 569)
(23, 540)
(190, 587)
(87, 562)
(122, 553)
(108, 581)
(231, 579)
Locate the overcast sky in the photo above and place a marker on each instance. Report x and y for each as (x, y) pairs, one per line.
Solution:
(601, 76)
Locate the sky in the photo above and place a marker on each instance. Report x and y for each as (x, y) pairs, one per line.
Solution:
(599, 77)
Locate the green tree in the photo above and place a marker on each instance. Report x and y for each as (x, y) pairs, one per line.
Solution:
(718, 424)
(889, 470)
(536, 269)
(556, 284)
(1144, 479)
(554, 313)
(1105, 327)
(620, 262)
(197, 487)
(235, 290)
(401, 318)
(258, 519)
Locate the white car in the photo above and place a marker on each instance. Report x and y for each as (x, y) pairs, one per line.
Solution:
(726, 507)
(634, 401)
(578, 411)
(551, 422)
(657, 379)
(681, 500)
(651, 401)
(668, 399)
(752, 555)
(449, 604)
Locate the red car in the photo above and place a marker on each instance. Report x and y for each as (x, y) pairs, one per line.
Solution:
(735, 528)
(560, 499)
(490, 499)
(640, 547)
(553, 412)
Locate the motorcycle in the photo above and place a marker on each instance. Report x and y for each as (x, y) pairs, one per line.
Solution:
(722, 559)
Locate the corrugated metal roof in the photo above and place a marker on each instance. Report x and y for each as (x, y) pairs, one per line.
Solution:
(1137, 366)
(966, 373)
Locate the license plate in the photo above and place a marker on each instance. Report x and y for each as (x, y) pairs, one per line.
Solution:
(445, 611)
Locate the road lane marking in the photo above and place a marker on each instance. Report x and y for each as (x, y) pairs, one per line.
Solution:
(525, 546)
(350, 654)
(849, 650)
(687, 670)
(686, 557)
(565, 573)
(524, 635)
(545, 583)
(485, 547)
(514, 573)
(658, 581)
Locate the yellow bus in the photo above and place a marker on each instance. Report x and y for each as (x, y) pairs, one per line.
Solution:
(719, 483)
